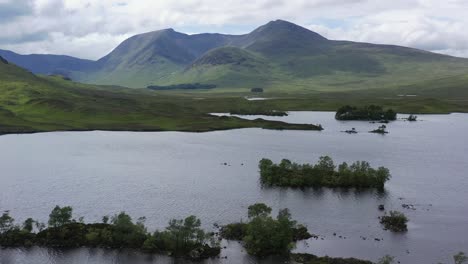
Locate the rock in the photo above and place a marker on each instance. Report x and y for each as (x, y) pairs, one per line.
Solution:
(381, 207)
(408, 206)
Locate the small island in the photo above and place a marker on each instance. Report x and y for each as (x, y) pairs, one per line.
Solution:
(395, 221)
(351, 131)
(365, 113)
(323, 174)
(181, 238)
(312, 259)
(380, 130)
(412, 118)
(256, 90)
(264, 235)
(258, 112)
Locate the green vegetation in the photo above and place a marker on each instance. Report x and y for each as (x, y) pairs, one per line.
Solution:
(312, 259)
(387, 259)
(368, 113)
(460, 258)
(182, 238)
(256, 90)
(237, 231)
(412, 118)
(380, 130)
(395, 221)
(323, 174)
(186, 86)
(30, 103)
(280, 57)
(264, 235)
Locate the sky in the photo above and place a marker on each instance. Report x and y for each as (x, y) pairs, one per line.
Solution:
(91, 29)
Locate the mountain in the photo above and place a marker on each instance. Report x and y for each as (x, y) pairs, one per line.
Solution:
(279, 57)
(48, 64)
(142, 59)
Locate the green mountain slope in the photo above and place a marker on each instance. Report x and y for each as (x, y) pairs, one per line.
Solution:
(225, 66)
(142, 59)
(294, 59)
(30, 103)
(280, 57)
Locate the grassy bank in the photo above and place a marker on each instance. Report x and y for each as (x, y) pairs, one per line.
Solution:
(30, 103)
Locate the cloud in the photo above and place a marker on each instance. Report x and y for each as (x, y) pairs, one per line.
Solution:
(404, 28)
(90, 29)
(10, 9)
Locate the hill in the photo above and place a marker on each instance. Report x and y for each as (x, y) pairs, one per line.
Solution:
(48, 64)
(279, 57)
(30, 103)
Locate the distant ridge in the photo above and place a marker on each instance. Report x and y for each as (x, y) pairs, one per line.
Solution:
(278, 56)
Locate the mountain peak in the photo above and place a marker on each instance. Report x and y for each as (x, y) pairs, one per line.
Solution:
(285, 28)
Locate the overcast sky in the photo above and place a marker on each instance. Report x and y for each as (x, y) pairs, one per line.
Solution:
(91, 29)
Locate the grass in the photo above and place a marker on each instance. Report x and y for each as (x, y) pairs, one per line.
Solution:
(30, 103)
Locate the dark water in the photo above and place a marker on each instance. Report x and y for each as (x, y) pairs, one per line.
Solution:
(172, 175)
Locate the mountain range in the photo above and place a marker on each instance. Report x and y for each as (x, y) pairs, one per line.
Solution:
(279, 56)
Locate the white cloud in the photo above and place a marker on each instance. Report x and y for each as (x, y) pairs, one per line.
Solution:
(90, 29)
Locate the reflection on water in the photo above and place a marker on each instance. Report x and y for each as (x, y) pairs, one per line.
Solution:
(172, 175)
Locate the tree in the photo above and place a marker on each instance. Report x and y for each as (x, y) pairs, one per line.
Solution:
(28, 224)
(386, 260)
(186, 232)
(6, 222)
(60, 216)
(126, 232)
(460, 258)
(258, 209)
(267, 236)
(395, 221)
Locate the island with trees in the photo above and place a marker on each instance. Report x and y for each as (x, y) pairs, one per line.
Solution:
(412, 118)
(181, 238)
(365, 113)
(323, 174)
(380, 130)
(264, 235)
(395, 221)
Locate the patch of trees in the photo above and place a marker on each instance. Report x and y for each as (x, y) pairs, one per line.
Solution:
(312, 259)
(368, 113)
(256, 90)
(323, 174)
(182, 237)
(395, 221)
(183, 86)
(264, 235)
